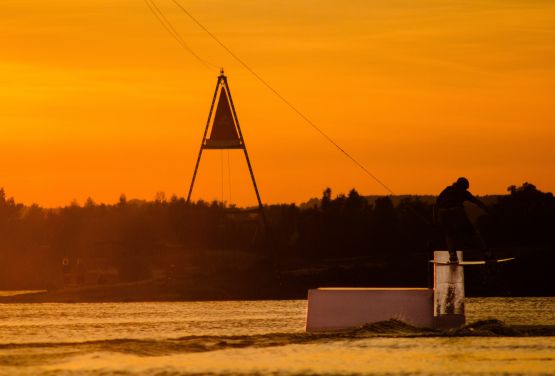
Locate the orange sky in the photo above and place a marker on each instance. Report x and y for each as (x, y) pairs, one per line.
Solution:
(96, 99)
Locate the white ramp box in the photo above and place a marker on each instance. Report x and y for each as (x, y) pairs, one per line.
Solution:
(344, 308)
(347, 308)
(448, 291)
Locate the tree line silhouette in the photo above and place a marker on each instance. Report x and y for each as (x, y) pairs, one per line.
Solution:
(343, 240)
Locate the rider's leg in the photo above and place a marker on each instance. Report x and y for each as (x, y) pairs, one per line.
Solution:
(450, 231)
(452, 244)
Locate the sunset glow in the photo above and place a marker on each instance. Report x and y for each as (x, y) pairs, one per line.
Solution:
(97, 99)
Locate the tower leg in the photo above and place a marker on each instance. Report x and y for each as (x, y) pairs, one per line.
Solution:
(253, 179)
(204, 138)
(256, 190)
(194, 176)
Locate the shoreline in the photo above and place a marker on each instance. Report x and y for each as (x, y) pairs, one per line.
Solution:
(158, 290)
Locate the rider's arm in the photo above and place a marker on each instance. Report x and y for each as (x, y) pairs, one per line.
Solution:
(477, 202)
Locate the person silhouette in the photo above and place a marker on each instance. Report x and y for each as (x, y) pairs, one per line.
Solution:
(450, 215)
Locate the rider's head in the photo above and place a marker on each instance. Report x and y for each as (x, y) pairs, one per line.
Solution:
(462, 183)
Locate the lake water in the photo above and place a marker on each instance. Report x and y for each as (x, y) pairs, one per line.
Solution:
(258, 337)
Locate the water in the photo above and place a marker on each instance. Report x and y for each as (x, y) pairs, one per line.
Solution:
(261, 337)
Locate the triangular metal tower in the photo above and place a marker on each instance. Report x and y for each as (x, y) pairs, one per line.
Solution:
(225, 132)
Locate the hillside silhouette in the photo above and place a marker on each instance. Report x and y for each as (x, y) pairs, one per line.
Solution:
(169, 249)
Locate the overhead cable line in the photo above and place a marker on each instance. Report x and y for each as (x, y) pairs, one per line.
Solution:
(173, 32)
(289, 104)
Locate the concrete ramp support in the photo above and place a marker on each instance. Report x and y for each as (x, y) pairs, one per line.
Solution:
(448, 291)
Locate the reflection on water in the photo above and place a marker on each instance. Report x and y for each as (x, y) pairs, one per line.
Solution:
(524, 311)
(59, 322)
(258, 337)
(377, 356)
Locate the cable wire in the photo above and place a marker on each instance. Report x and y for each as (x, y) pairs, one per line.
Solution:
(289, 104)
(174, 33)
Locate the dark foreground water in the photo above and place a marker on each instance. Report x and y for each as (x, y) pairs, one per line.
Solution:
(267, 337)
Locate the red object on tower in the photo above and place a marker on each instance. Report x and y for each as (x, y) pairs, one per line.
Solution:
(224, 129)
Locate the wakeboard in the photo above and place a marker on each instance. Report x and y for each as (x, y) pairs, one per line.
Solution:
(478, 262)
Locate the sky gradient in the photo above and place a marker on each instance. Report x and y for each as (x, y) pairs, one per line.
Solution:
(97, 99)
